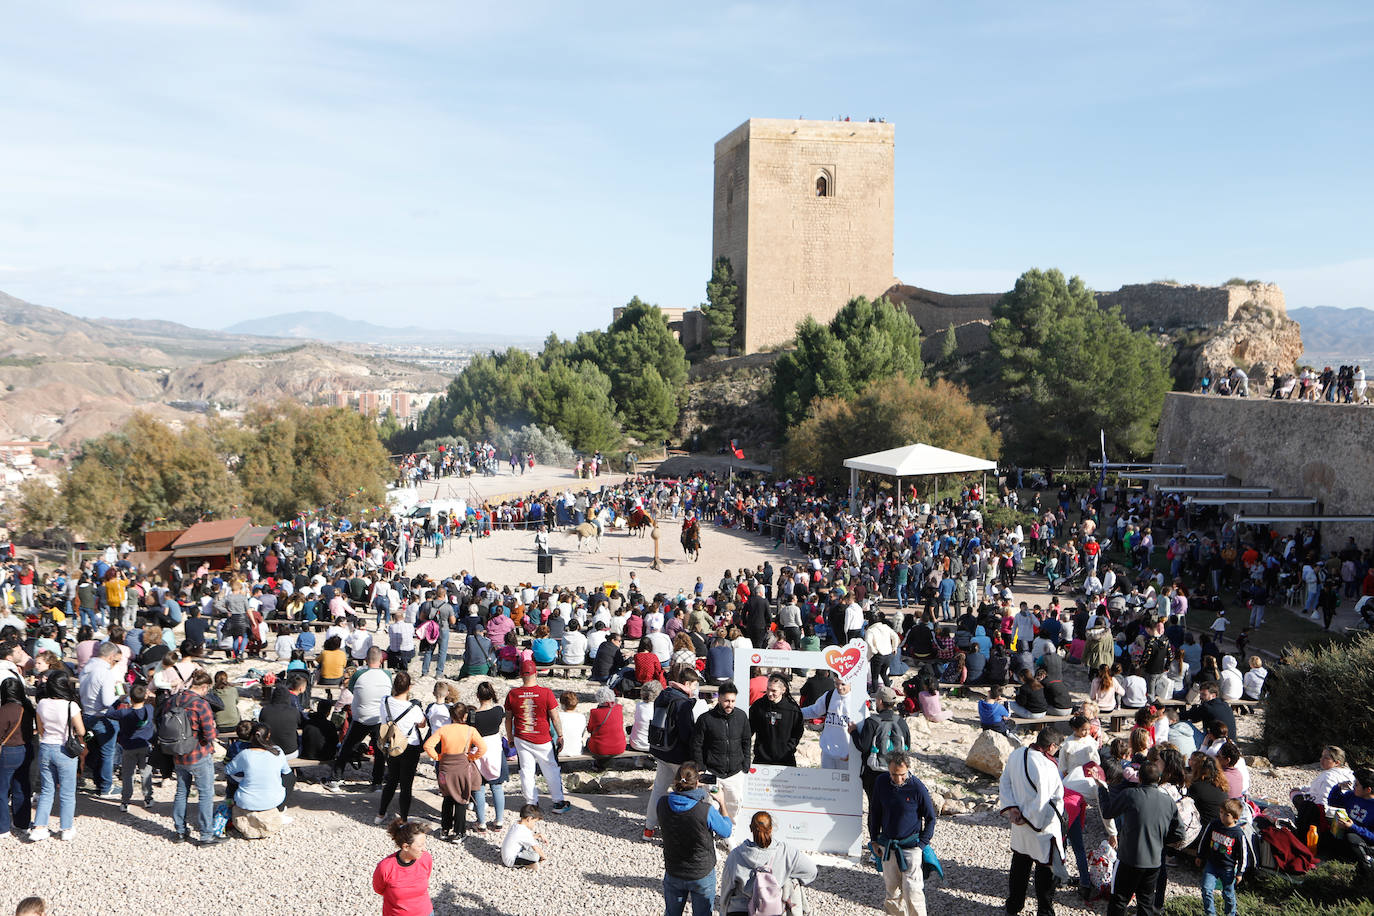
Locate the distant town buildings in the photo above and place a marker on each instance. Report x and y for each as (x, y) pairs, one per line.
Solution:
(405, 406)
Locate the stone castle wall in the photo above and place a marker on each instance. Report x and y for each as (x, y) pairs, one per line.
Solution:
(1298, 448)
(1172, 305)
(797, 254)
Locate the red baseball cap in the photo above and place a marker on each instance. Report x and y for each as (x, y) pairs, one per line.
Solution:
(527, 667)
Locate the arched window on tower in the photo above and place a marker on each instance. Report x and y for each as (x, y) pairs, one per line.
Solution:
(822, 185)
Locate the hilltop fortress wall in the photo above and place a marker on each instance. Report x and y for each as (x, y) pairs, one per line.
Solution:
(1297, 448)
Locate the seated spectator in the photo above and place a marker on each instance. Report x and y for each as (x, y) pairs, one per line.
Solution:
(644, 714)
(994, 713)
(1030, 698)
(605, 727)
(1231, 683)
(1253, 682)
(544, 647)
(929, 700)
(574, 725)
(1358, 804)
(259, 770)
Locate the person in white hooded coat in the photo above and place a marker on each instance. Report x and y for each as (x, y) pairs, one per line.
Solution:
(1032, 798)
(1231, 683)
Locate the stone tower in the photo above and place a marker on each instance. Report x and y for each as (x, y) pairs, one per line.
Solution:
(803, 210)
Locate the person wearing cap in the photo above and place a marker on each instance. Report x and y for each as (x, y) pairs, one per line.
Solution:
(885, 699)
(532, 720)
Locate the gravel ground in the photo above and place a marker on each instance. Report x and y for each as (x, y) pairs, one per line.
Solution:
(125, 863)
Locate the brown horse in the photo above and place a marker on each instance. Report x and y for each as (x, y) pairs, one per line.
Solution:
(640, 522)
(691, 540)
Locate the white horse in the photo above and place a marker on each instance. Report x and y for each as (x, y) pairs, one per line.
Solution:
(587, 531)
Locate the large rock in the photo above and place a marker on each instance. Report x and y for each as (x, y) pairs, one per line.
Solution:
(990, 752)
(1258, 340)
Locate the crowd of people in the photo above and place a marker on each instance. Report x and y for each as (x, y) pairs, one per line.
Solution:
(105, 668)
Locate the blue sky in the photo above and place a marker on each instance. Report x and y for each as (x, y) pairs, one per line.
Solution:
(525, 168)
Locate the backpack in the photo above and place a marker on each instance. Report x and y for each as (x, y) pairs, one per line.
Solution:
(766, 898)
(664, 727)
(429, 631)
(886, 739)
(176, 735)
(392, 740)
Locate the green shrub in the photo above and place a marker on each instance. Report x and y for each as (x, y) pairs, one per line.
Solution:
(1336, 678)
(1328, 890)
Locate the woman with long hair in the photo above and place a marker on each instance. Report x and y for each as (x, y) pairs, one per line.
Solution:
(59, 718)
(408, 716)
(258, 769)
(488, 719)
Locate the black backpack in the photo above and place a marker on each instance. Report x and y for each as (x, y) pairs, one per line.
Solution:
(664, 728)
(176, 734)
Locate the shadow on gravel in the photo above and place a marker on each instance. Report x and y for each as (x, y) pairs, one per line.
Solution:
(450, 901)
(653, 884)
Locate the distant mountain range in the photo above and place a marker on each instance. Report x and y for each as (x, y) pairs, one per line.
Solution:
(65, 378)
(328, 326)
(1332, 336)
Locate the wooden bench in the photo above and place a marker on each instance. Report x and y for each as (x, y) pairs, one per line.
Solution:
(312, 624)
(568, 670)
(1040, 721)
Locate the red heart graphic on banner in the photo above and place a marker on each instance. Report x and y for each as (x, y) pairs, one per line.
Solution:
(753, 769)
(842, 663)
(755, 658)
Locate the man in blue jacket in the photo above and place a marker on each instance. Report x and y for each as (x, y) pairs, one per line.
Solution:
(905, 816)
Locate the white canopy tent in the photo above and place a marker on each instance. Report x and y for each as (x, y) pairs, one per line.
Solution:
(917, 460)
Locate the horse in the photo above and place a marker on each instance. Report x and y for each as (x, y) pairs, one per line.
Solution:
(586, 532)
(640, 521)
(691, 540)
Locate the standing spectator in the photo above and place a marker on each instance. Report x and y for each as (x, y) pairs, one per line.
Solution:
(1032, 798)
(17, 728)
(136, 730)
(882, 646)
(198, 763)
(776, 723)
(456, 747)
(99, 691)
(721, 744)
(906, 824)
(882, 733)
(59, 716)
(1148, 821)
(401, 641)
(408, 718)
(690, 825)
(1226, 854)
(843, 711)
(669, 737)
(532, 718)
(790, 867)
(402, 878)
(488, 719)
(369, 686)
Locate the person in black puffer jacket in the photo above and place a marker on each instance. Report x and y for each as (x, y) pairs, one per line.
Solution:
(691, 824)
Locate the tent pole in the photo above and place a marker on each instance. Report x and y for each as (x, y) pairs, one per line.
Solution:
(984, 503)
(853, 488)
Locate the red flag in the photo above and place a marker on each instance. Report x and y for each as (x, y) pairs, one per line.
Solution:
(734, 447)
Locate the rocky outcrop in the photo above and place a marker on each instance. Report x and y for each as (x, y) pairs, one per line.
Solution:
(1258, 339)
(990, 752)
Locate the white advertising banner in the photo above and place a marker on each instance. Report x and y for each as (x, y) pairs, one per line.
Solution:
(817, 810)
